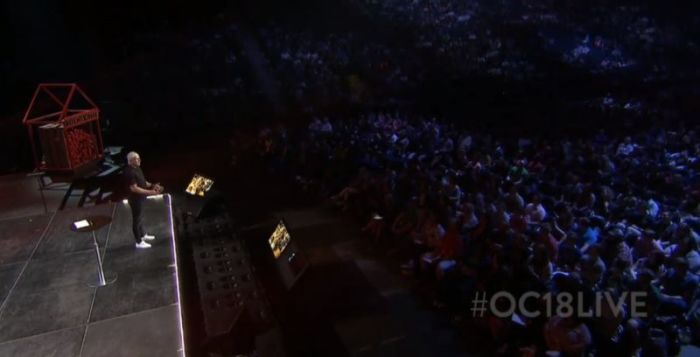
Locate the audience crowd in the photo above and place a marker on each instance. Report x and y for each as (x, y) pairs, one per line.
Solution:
(474, 212)
(441, 40)
(410, 46)
(462, 34)
(322, 69)
(599, 36)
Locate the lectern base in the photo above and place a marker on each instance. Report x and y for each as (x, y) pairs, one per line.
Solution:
(108, 280)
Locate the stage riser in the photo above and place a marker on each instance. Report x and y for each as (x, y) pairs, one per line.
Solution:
(232, 302)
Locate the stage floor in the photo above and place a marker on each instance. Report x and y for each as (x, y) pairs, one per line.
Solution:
(48, 307)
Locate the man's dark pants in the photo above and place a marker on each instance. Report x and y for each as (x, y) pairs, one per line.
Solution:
(136, 205)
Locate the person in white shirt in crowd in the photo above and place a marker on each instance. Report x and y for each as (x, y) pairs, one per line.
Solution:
(465, 143)
(534, 210)
(315, 125)
(626, 147)
(326, 126)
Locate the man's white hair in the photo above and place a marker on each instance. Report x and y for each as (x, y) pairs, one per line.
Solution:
(131, 156)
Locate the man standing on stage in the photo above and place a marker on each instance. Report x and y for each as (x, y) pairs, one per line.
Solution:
(139, 189)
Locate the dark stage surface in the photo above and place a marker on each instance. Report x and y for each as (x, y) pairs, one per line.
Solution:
(48, 307)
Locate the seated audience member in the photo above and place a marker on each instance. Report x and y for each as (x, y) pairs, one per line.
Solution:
(567, 335)
(535, 211)
(646, 245)
(608, 217)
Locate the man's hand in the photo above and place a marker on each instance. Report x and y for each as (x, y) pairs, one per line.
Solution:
(142, 191)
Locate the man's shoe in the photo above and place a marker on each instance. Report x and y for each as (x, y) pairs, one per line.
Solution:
(148, 237)
(142, 245)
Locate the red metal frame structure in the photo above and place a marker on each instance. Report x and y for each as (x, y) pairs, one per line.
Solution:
(67, 106)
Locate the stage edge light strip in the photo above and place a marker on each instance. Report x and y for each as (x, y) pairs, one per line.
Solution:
(177, 275)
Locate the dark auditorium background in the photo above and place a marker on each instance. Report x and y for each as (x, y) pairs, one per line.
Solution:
(419, 151)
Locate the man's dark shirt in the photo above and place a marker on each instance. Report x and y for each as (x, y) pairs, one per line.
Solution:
(134, 175)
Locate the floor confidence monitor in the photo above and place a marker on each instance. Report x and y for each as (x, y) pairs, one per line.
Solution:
(290, 261)
(279, 239)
